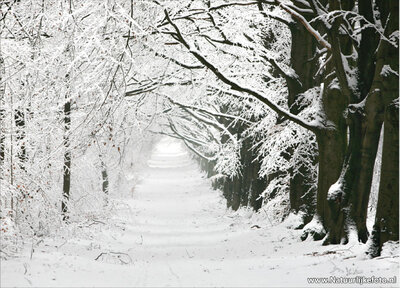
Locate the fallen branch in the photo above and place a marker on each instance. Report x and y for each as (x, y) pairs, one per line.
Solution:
(118, 256)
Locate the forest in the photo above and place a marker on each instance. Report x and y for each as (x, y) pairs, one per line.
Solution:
(273, 117)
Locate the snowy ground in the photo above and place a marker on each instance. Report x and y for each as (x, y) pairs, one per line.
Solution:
(175, 231)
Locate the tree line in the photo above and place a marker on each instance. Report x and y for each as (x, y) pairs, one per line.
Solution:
(345, 53)
(284, 105)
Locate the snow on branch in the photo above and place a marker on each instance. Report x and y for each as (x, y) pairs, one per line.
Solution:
(187, 140)
(183, 135)
(202, 118)
(173, 60)
(354, 19)
(273, 15)
(207, 111)
(236, 86)
(306, 24)
(232, 4)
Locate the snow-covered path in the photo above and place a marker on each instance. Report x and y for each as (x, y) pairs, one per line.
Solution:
(182, 233)
(176, 231)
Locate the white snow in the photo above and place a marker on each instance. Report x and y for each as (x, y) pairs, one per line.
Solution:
(175, 231)
(336, 188)
(387, 70)
(314, 226)
(390, 249)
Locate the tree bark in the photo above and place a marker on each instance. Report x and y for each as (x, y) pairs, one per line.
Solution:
(386, 225)
(257, 187)
(331, 147)
(362, 189)
(348, 201)
(348, 198)
(305, 64)
(332, 142)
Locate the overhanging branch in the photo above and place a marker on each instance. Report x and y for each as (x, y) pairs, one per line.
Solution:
(236, 86)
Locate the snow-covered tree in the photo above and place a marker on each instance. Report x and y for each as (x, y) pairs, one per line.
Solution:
(351, 47)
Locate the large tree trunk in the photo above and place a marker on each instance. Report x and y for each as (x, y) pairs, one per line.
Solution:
(251, 185)
(332, 142)
(348, 198)
(305, 63)
(257, 187)
(227, 188)
(362, 188)
(331, 148)
(236, 191)
(341, 216)
(386, 225)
